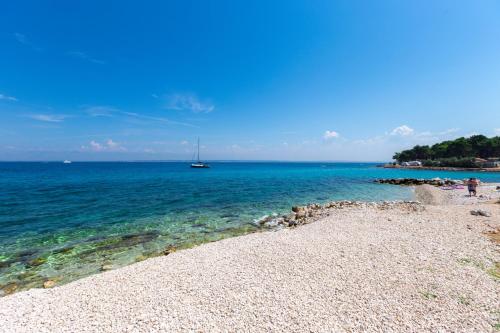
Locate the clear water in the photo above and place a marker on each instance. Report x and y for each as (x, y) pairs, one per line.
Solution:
(65, 221)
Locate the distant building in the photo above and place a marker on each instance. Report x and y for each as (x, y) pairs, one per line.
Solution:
(479, 161)
(492, 162)
(412, 163)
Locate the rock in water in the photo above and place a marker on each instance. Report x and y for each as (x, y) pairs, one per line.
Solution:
(49, 284)
(414, 181)
(37, 262)
(106, 267)
(9, 288)
(169, 249)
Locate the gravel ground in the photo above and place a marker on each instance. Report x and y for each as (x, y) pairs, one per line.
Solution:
(359, 269)
(436, 196)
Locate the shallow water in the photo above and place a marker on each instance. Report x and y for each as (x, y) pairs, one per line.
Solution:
(65, 221)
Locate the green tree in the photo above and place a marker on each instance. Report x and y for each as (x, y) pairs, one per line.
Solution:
(458, 152)
(480, 145)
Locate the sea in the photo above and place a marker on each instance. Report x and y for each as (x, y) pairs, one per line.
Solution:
(62, 222)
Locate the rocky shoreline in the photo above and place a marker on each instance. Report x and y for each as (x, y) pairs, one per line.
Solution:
(309, 213)
(390, 166)
(394, 266)
(419, 181)
(299, 215)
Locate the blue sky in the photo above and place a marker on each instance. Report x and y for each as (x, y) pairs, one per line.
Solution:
(265, 80)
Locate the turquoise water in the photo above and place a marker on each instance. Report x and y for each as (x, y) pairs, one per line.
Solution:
(65, 221)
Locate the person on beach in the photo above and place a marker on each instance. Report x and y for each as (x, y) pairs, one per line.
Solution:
(472, 184)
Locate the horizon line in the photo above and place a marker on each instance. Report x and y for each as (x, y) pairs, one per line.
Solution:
(188, 161)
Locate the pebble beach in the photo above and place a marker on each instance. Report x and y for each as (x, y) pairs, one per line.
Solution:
(399, 267)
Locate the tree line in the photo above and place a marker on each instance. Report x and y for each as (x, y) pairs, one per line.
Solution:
(459, 152)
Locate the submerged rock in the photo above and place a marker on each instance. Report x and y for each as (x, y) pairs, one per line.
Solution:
(37, 262)
(264, 220)
(49, 284)
(106, 267)
(6, 263)
(169, 249)
(140, 257)
(63, 250)
(126, 241)
(9, 288)
(274, 222)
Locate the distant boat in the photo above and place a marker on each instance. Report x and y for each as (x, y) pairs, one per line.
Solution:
(199, 164)
(67, 162)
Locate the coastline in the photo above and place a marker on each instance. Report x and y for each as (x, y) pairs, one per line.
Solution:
(101, 216)
(356, 267)
(389, 166)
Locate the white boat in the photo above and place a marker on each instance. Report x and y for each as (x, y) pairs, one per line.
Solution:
(199, 164)
(67, 162)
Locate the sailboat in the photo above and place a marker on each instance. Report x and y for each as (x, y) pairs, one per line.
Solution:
(199, 164)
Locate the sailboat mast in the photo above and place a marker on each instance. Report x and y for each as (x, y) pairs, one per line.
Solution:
(198, 149)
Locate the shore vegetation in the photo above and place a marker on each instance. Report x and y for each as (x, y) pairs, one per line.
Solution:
(462, 152)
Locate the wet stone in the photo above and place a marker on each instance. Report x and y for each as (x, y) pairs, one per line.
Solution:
(24, 257)
(63, 250)
(169, 249)
(225, 216)
(49, 284)
(106, 267)
(6, 263)
(9, 288)
(127, 241)
(37, 262)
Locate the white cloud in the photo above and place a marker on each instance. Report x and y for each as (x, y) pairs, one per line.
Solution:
(402, 130)
(371, 141)
(83, 56)
(449, 131)
(188, 102)
(108, 111)
(330, 135)
(21, 38)
(51, 118)
(404, 136)
(101, 111)
(96, 146)
(497, 131)
(8, 98)
(156, 119)
(109, 145)
(184, 142)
